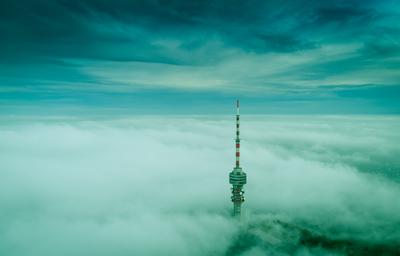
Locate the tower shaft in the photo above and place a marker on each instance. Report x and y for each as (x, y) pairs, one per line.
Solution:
(237, 177)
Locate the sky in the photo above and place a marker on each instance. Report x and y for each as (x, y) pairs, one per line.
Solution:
(184, 57)
(117, 127)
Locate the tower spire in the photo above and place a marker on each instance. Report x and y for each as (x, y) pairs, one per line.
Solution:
(237, 177)
(237, 135)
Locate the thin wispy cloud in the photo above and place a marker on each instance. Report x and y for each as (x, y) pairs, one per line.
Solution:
(220, 47)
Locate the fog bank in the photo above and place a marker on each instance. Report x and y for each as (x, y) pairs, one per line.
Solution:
(159, 185)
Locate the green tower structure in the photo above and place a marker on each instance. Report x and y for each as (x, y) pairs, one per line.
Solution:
(237, 177)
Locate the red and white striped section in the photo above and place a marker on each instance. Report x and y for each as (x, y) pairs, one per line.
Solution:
(237, 135)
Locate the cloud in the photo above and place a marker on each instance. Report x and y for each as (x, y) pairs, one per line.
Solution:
(84, 52)
(119, 186)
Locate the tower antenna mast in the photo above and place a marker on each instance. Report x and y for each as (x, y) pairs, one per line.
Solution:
(237, 177)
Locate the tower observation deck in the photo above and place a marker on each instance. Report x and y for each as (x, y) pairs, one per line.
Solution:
(237, 177)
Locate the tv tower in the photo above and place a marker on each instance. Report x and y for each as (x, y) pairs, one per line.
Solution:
(237, 177)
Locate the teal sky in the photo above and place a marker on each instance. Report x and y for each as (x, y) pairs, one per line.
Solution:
(182, 57)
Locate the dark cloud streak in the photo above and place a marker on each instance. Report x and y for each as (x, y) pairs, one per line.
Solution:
(69, 26)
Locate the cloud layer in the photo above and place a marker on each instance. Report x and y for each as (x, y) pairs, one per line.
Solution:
(156, 185)
(296, 51)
